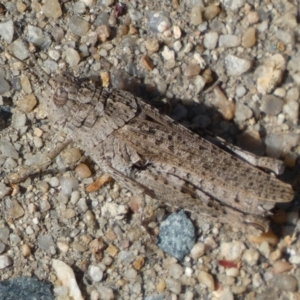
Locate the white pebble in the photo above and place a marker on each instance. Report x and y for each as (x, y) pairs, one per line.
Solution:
(232, 251)
(95, 273)
(251, 256)
(5, 261)
(236, 66)
(68, 184)
(38, 143)
(210, 40)
(54, 182)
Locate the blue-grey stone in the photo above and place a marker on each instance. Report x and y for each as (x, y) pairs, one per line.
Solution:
(177, 235)
(22, 288)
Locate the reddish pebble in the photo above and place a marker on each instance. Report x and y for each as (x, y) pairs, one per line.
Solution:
(227, 264)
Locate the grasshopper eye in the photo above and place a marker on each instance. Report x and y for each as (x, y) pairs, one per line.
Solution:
(60, 97)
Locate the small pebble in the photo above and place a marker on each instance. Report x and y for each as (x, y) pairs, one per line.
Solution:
(232, 251)
(198, 250)
(95, 273)
(250, 256)
(44, 203)
(37, 132)
(38, 37)
(207, 280)
(280, 92)
(211, 11)
(2, 247)
(138, 263)
(52, 9)
(242, 112)
(264, 249)
(10, 164)
(27, 103)
(43, 186)
(146, 63)
(177, 46)
(196, 16)
(294, 259)
(38, 142)
(285, 282)
(130, 274)
(169, 58)
(249, 38)
(4, 190)
(225, 107)
(19, 50)
(158, 22)
(253, 17)
(281, 266)
(233, 272)
(83, 171)
(68, 213)
(176, 32)
(58, 34)
(176, 235)
(103, 33)
(89, 219)
(7, 31)
(229, 41)
(54, 182)
(25, 84)
(210, 40)
(292, 110)
(175, 271)
(134, 14)
(174, 286)
(236, 66)
(240, 91)
(292, 94)
(14, 239)
(79, 26)
(63, 246)
(226, 294)
(7, 149)
(68, 184)
(112, 250)
(26, 250)
(5, 261)
(72, 57)
(71, 155)
(271, 105)
(270, 74)
(45, 242)
(66, 276)
(16, 210)
(192, 70)
(79, 7)
(82, 205)
(234, 4)
(151, 45)
(161, 285)
(257, 280)
(4, 86)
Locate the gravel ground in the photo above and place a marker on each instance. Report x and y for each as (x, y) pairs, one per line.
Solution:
(231, 67)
